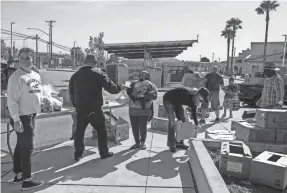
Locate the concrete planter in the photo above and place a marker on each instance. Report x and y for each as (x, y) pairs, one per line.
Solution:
(206, 175)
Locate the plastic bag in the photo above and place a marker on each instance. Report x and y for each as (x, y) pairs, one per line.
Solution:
(124, 98)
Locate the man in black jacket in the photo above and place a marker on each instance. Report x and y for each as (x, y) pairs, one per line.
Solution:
(173, 101)
(85, 89)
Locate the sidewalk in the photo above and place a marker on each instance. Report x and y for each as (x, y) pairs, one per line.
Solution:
(153, 170)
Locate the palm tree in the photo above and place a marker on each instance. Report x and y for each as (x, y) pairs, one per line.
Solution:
(234, 24)
(226, 33)
(266, 7)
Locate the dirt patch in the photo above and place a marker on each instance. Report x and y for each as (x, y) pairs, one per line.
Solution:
(236, 185)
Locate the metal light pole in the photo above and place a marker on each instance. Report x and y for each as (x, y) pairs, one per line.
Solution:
(37, 57)
(12, 38)
(284, 50)
(212, 57)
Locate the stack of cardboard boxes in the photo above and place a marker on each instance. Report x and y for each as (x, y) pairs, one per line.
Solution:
(161, 121)
(269, 130)
(270, 127)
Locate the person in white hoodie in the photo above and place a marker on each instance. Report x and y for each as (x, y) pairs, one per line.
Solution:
(24, 100)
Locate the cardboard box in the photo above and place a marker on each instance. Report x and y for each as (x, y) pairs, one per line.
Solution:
(4, 108)
(248, 133)
(271, 118)
(117, 128)
(159, 123)
(185, 130)
(219, 134)
(161, 111)
(270, 169)
(281, 136)
(235, 159)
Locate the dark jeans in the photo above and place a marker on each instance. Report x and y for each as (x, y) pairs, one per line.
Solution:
(172, 112)
(97, 120)
(139, 127)
(25, 146)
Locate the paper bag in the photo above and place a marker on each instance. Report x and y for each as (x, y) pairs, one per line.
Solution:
(185, 130)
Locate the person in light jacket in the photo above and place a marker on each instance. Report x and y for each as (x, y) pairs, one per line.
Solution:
(141, 93)
(24, 100)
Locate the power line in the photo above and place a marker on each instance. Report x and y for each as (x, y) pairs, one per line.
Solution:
(42, 40)
(24, 35)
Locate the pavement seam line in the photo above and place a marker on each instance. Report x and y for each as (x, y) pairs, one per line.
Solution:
(149, 159)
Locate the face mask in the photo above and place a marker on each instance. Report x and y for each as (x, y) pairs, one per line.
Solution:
(269, 73)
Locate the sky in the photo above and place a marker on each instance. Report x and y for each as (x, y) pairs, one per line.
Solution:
(140, 21)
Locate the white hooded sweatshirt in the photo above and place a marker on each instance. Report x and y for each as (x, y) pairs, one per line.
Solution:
(24, 93)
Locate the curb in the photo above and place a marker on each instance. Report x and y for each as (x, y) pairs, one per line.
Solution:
(62, 70)
(206, 175)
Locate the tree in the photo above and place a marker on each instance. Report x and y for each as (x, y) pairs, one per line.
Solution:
(227, 33)
(79, 55)
(96, 45)
(266, 7)
(234, 24)
(204, 59)
(4, 50)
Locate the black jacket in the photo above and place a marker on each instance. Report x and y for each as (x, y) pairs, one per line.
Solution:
(85, 88)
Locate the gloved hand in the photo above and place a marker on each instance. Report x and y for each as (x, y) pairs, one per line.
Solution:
(280, 103)
(198, 127)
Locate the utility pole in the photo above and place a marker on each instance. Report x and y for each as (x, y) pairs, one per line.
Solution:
(12, 39)
(74, 54)
(37, 57)
(218, 60)
(199, 58)
(50, 23)
(284, 50)
(212, 57)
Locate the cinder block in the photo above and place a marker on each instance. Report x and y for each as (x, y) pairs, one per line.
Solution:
(271, 118)
(159, 123)
(237, 124)
(219, 134)
(270, 169)
(248, 133)
(235, 159)
(281, 136)
(185, 130)
(161, 111)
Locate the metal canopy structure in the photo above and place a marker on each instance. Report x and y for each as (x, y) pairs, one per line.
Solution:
(149, 50)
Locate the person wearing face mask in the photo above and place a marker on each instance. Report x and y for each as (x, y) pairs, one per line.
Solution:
(23, 100)
(142, 94)
(273, 90)
(173, 101)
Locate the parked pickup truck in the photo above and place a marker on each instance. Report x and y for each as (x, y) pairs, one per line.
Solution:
(250, 93)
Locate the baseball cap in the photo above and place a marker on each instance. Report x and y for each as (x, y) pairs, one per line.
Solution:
(271, 66)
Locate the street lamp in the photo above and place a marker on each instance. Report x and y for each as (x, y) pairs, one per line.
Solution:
(29, 37)
(39, 30)
(284, 50)
(12, 39)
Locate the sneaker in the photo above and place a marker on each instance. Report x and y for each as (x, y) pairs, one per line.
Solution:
(107, 155)
(18, 178)
(135, 146)
(30, 184)
(202, 121)
(142, 146)
(172, 149)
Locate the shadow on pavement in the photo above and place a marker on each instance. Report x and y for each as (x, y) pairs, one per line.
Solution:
(162, 165)
(56, 164)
